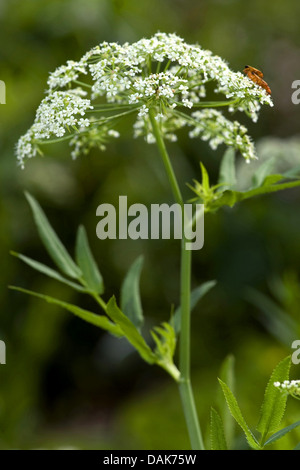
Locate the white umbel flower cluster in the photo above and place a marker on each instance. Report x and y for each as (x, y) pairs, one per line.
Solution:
(57, 112)
(289, 387)
(162, 74)
(211, 125)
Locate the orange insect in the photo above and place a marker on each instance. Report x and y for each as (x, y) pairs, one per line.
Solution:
(257, 77)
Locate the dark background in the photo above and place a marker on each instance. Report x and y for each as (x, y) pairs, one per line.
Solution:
(66, 383)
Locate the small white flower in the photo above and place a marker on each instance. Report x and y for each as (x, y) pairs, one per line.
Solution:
(143, 111)
(159, 117)
(150, 138)
(113, 133)
(187, 103)
(289, 387)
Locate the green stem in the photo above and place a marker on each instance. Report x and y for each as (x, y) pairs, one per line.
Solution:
(165, 157)
(99, 301)
(54, 141)
(78, 82)
(185, 387)
(214, 104)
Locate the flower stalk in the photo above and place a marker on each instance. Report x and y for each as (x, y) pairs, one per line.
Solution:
(185, 387)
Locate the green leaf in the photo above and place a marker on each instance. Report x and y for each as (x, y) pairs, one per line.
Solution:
(51, 242)
(165, 348)
(227, 175)
(87, 263)
(262, 172)
(230, 198)
(130, 331)
(42, 268)
(270, 180)
(237, 414)
(274, 318)
(227, 376)
(215, 197)
(100, 321)
(274, 403)
(217, 436)
(293, 172)
(130, 293)
(281, 433)
(297, 447)
(227, 371)
(205, 178)
(196, 295)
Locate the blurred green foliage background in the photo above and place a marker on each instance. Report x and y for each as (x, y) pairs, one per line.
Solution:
(65, 382)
